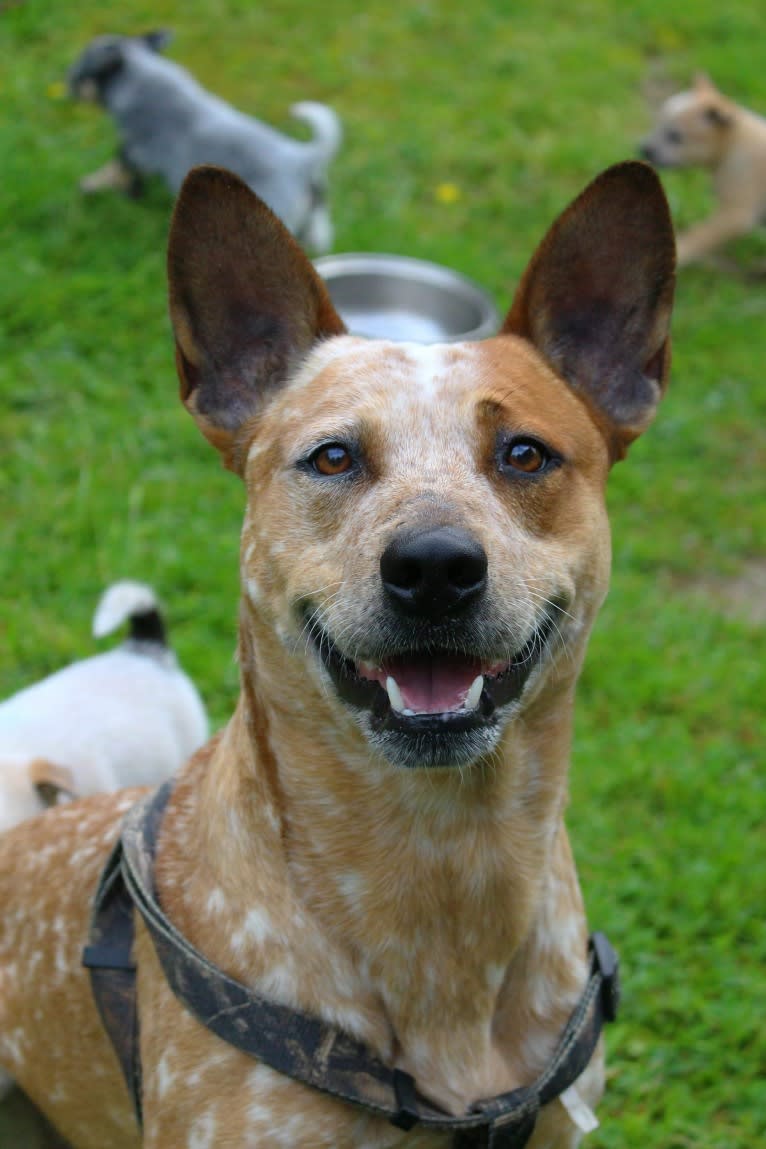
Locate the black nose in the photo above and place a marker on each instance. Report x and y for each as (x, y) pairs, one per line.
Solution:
(434, 572)
(646, 152)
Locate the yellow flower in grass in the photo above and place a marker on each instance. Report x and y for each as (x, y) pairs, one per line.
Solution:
(56, 91)
(447, 193)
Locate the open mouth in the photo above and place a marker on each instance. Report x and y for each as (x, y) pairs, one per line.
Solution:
(440, 690)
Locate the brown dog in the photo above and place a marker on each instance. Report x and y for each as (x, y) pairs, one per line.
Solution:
(702, 128)
(377, 836)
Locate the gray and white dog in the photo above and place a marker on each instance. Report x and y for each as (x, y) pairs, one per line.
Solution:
(168, 123)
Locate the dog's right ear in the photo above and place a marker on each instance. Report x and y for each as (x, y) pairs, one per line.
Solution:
(158, 39)
(246, 304)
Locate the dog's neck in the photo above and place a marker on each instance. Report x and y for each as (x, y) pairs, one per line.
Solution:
(437, 913)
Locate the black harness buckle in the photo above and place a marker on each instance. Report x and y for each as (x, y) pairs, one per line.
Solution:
(406, 1101)
(609, 967)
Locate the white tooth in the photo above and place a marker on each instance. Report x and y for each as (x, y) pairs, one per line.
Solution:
(474, 694)
(394, 694)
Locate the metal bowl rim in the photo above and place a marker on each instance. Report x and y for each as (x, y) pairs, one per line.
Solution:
(369, 264)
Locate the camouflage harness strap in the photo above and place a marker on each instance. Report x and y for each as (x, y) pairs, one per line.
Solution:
(298, 1044)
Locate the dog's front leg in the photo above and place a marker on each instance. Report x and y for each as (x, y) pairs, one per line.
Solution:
(704, 238)
(114, 176)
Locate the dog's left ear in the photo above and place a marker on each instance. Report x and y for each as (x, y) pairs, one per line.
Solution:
(597, 297)
(245, 302)
(703, 85)
(158, 40)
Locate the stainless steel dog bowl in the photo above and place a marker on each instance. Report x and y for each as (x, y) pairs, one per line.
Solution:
(395, 297)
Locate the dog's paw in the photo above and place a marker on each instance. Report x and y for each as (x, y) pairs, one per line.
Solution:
(113, 176)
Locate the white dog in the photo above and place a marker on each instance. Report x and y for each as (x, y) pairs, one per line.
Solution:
(128, 717)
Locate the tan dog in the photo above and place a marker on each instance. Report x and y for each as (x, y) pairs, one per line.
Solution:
(377, 836)
(702, 128)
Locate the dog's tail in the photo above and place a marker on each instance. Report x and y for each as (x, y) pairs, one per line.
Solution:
(326, 126)
(134, 603)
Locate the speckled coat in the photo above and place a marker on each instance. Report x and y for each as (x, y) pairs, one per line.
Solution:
(432, 912)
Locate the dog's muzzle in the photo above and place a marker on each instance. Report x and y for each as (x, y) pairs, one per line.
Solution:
(432, 697)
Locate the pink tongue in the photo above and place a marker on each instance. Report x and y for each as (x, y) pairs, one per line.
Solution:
(431, 686)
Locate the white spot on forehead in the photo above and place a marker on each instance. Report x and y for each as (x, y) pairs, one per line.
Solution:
(422, 376)
(422, 363)
(430, 365)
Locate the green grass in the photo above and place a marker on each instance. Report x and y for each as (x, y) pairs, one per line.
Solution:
(103, 475)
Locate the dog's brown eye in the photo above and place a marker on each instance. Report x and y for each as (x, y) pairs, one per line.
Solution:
(332, 460)
(524, 455)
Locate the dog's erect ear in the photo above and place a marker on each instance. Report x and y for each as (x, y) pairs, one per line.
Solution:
(717, 115)
(245, 302)
(597, 296)
(53, 784)
(715, 112)
(157, 40)
(703, 85)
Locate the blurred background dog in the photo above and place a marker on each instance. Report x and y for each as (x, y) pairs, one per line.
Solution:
(128, 717)
(702, 128)
(167, 123)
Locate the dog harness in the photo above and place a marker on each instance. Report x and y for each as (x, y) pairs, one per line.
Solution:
(293, 1043)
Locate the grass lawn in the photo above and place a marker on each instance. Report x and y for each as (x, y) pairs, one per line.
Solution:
(103, 475)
